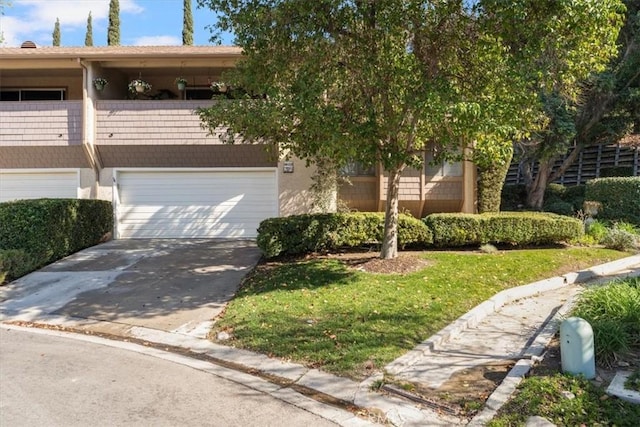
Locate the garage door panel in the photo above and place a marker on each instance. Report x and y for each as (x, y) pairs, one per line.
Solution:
(35, 185)
(194, 204)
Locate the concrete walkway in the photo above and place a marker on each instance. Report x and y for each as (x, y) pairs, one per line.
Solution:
(514, 324)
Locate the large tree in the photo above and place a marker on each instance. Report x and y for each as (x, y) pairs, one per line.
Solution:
(606, 107)
(187, 24)
(88, 37)
(113, 31)
(375, 80)
(56, 33)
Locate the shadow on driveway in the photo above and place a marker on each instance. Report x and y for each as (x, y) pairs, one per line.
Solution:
(167, 284)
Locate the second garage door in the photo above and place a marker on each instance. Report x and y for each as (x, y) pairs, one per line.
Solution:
(36, 184)
(194, 204)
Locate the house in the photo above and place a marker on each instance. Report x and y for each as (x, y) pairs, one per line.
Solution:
(62, 136)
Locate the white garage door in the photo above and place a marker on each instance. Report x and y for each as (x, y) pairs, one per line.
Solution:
(16, 185)
(191, 204)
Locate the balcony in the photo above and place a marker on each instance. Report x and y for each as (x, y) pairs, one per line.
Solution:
(151, 122)
(41, 123)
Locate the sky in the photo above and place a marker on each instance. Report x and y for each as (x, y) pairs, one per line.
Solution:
(142, 22)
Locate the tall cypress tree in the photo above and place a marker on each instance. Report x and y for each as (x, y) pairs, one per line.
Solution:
(88, 38)
(56, 33)
(113, 33)
(187, 24)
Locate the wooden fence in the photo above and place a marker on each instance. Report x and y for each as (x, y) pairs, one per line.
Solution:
(590, 164)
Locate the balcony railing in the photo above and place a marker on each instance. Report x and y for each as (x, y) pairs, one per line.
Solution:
(151, 122)
(37, 123)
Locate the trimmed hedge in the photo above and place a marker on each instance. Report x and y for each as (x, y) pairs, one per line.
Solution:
(37, 232)
(299, 234)
(516, 228)
(620, 198)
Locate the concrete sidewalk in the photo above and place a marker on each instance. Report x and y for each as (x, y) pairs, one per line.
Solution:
(514, 324)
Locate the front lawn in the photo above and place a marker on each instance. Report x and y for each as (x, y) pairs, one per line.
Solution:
(325, 314)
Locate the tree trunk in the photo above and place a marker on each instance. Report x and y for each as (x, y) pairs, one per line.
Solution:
(390, 239)
(490, 183)
(535, 192)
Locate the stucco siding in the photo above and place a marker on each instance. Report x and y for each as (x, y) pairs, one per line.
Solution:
(294, 188)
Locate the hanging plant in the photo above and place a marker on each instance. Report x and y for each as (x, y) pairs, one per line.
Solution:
(139, 86)
(181, 82)
(99, 83)
(219, 87)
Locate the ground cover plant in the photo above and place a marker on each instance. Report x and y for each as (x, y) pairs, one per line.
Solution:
(613, 310)
(566, 401)
(322, 312)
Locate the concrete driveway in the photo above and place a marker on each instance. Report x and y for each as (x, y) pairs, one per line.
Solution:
(166, 284)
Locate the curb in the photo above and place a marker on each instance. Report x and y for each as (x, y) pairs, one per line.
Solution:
(493, 304)
(396, 411)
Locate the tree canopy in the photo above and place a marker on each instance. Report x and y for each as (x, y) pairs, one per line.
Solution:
(375, 80)
(187, 23)
(88, 37)
(56, 33)
(606, 109)
(113, 31)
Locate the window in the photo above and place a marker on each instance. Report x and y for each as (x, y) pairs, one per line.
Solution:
(440, 169)
(198, 93)
(32, 95)
(357, 169)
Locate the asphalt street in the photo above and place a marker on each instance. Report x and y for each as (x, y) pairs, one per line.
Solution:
(53, 380)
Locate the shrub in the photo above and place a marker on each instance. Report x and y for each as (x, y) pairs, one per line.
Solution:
(554, 193)
(596, 229)
(513, 197)
(563, 200)
(620, 198)
(613, 171)
(575, 196)
(50, 229)
(560, 208)
(299, 234)
(619, 239)
(15, 263)
(518, 228)
(613, 311)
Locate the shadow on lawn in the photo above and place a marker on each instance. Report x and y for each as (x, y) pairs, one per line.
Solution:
(312, 274)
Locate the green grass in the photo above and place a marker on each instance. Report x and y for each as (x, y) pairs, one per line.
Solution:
(321, 313)
(543, 396)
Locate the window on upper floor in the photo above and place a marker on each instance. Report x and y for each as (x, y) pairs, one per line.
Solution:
(357, 169)
(33, 94)
(442, 168)
(198, 93)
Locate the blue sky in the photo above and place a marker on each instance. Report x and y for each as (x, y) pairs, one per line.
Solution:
(142, 22)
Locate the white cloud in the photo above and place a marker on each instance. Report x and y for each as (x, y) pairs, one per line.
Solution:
(34, 19)
(157, 41)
